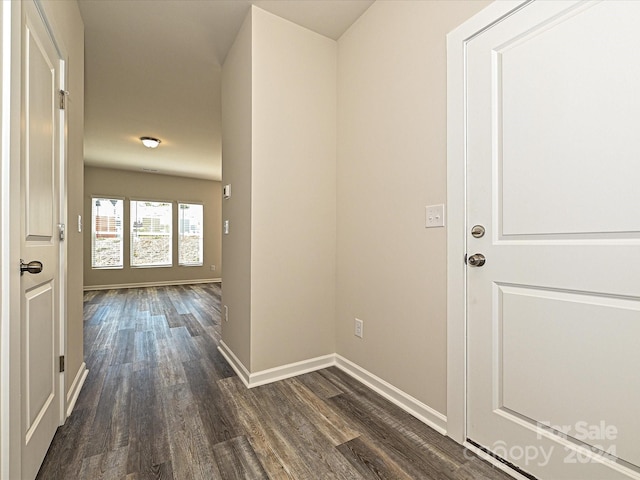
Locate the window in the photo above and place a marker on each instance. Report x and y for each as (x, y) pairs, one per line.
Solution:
(106, 232)
(189, 234)
(151, 234)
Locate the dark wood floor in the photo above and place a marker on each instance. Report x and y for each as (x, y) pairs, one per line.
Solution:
(160, 402)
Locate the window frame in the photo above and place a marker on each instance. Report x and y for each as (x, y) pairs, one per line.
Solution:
(95, 198)
(179, 236)
(133, 220)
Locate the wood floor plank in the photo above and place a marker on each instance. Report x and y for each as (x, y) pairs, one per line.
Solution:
(334, 427)
(371, 461)
(156, 472)
(191, 454)
(67, 449)
(110, 429)
(97, 364)
(123, 350)
(169, 368)
(407, 447)
(160, 327)
(217, 366)
(148, 439)
(161, 402)
(442, 449)
(194, 327)
(169, 309)
(413, 458)
(394, 416)
(145, 351)
(181, 342)
(319, 385)
(293, 434)
(107, 466)
(218, 423)
(238, 461)
(278, 463)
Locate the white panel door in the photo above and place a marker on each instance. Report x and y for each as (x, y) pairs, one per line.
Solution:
(40, 213)
(553, 174)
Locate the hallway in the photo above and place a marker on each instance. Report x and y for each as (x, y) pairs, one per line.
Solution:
(160, 402)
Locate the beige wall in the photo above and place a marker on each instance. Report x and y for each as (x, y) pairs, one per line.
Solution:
(67, 22)
(294, 193)
(236, 170)
(290, 131)
(128, 184)
(387, 268)
(391, 163)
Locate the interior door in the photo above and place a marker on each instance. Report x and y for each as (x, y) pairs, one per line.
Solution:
(553, 177)
(40, 243)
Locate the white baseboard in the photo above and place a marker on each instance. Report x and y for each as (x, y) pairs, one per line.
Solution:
(235, 363)
(76, 386)
(167, 283)
(290, 370)
(273, 374)
(409, 404)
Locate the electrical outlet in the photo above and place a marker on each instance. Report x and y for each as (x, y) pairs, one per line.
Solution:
(226, 313)
(213, 268)
(359, 327)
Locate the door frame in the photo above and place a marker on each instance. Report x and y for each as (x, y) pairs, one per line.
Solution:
(11, 44)
(456, 213)
(10, 350)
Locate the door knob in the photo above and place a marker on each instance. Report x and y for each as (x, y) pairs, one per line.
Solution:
(476, 260)
(32, 267)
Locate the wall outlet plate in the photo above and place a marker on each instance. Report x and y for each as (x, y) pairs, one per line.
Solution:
(359, 327)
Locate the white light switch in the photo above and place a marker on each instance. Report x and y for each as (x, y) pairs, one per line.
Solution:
(225, 227)
(226, 191)
(435, 216)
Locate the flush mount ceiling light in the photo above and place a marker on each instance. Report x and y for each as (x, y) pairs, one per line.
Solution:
(150, 142)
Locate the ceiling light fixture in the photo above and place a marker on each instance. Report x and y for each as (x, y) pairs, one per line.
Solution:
(150, 142)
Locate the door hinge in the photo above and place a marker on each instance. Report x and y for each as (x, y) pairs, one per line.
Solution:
(61, 231)
(61, 363)
(63, 99)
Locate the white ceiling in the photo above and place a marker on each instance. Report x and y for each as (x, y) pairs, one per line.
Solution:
(152, 68)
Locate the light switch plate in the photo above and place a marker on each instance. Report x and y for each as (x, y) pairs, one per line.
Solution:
(435, 216)
(225, 227)
(226, 191)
